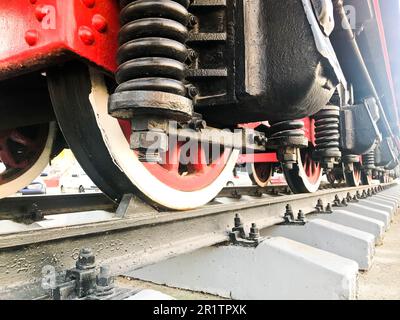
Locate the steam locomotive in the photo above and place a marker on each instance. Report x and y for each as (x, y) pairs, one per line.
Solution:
(163, 98)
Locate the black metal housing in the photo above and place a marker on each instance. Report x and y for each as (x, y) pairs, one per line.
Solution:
(359, 127)
(257, 60)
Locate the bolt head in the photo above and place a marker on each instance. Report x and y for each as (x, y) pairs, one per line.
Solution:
(193, 91)
(86, 35)
(99, 23)
(89, 3)
(192, 20)
(104, 278)
(40, 13)
(86, 259)
(32, 37)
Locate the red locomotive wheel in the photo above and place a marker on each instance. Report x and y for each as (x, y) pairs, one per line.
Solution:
(185, 168)
(331, 177)
(260, 173)
(306, 174)
(24, 154)
(353, 178)
(366, 178)
(101, 145)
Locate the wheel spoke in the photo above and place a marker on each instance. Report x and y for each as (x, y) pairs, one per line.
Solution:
(171, 161)
(18, 137)
(200, 164)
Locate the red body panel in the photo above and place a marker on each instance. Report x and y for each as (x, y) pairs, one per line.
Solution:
(40, 31)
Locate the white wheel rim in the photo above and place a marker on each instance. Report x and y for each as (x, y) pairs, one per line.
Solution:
(311, 187)
(254, 175)
(128, 163)
(34, 171)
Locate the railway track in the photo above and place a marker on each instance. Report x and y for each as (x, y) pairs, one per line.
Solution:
(30, 208)
(23, 208)
(137, 235)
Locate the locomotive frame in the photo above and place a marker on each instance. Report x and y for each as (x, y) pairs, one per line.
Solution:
(75, 44)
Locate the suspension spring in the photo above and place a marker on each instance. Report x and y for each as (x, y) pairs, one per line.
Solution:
(286, 137)
(368, 160)
(327, 136)
(287, 134)
(151, 60)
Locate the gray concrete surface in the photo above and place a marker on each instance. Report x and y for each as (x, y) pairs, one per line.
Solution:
(278, 268)
(333, 237)
(382, 281)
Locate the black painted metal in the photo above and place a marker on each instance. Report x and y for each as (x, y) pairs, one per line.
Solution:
(327, 135)
(246, 51)
(151, 59)
(69, 88)
(368, 160)
(359, 127)
(287, 133)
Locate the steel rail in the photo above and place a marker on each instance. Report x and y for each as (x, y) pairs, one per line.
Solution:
(144, 235)
(22, 207)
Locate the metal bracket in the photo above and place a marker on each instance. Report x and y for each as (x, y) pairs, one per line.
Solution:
(131, 205)
(351, 199)
(321, 209)
(84, 283)
(36, 214)
(238, 235)
(291, 220)
(340, 203)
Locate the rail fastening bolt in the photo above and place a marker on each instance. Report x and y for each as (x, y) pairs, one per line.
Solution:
(86, 259)
(238, 221)
(289, 212)
(301, 216)
(254, 232)
(320, 205)
(329, 208)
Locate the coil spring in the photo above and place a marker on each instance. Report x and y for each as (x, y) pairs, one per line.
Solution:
(287, 133)
(292, 128)
(369, 160)
(327, 135)
(152, 51)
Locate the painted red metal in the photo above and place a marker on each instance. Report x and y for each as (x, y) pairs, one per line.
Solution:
(309, 132)
(311, 168)
(196, 174)
(31, 148)
(309, 129)
(36, 33)
(258, 158)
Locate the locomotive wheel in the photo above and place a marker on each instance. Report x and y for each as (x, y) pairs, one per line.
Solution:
(24, 154)
(366, 178)
(260, 173)
(385, 178)
(331, 177)
(306, 174)
(101, 145)
(353, 178)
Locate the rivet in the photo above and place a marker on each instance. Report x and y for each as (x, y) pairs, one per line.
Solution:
(99, 23)
(31, 37)
(86, 35)
(40, 13)
(89, 3)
